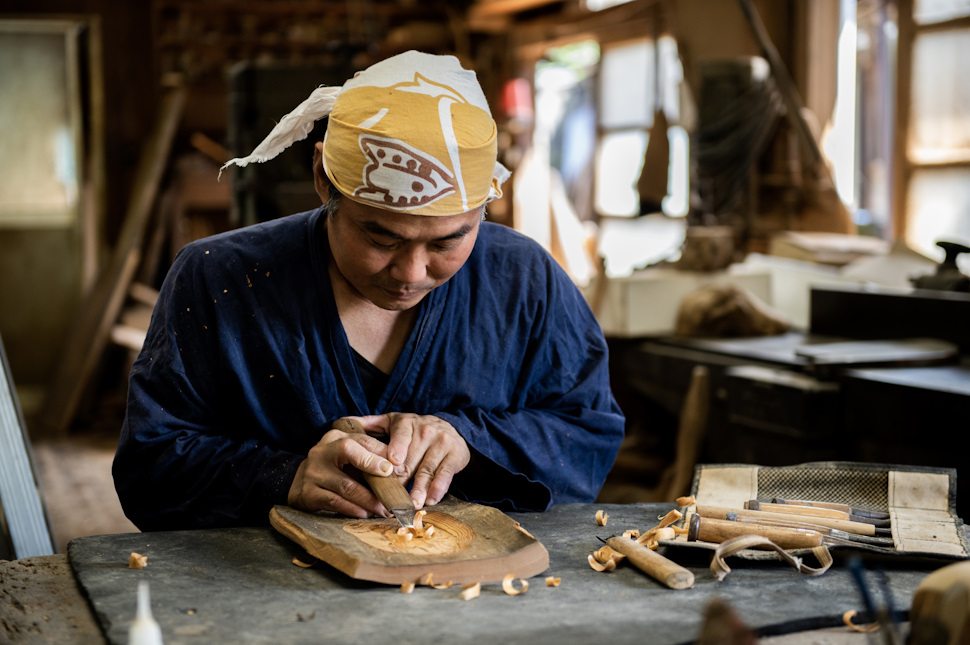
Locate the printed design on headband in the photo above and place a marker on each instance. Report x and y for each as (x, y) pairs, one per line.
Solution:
(400, 177)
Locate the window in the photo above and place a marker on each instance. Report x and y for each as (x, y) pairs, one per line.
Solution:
(933, 191)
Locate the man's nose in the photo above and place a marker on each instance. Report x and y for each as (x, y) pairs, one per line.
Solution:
(410, 266)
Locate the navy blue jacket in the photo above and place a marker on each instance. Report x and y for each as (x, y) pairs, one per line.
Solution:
(246, 365)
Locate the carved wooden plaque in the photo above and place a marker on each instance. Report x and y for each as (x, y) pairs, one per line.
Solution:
(471, 543)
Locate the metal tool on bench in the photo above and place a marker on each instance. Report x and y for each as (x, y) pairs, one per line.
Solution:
(851, 510)
(859, 528)
(709, 529)
(391, 492)
(652, 563)
(882, 542)
(813, 512)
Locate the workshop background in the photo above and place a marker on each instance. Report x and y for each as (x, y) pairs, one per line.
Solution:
(730, 183)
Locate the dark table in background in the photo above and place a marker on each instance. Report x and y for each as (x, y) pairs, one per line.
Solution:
(771, 407)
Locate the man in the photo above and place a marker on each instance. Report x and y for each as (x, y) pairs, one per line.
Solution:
(460, 343)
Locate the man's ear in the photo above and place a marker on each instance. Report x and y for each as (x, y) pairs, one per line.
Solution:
(319, 174)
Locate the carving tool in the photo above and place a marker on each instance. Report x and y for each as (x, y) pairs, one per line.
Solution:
(860, 528)
(652, 563)
(709, 529)
(813, 511)
(852, 510)
(389, 490)
(881, 542)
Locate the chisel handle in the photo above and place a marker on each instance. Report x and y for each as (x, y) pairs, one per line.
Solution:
(652, 563)
(707, 529)
(389, 490)
(851, 510)
(718, 512)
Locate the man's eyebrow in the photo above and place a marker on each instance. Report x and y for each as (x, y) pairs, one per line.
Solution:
(377, 229)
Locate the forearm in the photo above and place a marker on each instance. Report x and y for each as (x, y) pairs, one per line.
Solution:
(176, 479)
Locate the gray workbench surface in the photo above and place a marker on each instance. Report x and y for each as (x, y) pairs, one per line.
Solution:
(239, 585)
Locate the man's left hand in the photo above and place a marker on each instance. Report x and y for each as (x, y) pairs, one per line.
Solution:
(422, 446)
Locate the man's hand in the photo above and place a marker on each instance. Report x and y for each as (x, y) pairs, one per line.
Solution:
(322, 482)
(425, 447)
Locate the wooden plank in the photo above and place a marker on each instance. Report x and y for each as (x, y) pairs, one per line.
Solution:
(472, 543)
(89, 335)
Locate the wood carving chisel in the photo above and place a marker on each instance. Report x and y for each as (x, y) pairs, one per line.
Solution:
(388, 490)
(652, 563)
(852, 510)
(709, 529)
(882, 542)
(706, 529)
(719, 512)
(813, 511)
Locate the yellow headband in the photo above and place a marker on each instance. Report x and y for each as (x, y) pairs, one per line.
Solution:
(412, 133)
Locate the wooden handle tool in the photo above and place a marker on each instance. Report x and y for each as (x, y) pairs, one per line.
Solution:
(652, 563)
(391, 492)
(851, 510)
(708, 529)
(718, 512)
(814, 511)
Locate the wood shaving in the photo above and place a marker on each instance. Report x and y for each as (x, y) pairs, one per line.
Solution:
(631, 534)
(509, 588)
(471, 591)
(519, 526)
(407, 587)
(419, 519)
(847, 619)
(609, 565)
(428, 580)
(685, 501)
(137, 561)
(601, 518)
(553, 582)
(300, 563)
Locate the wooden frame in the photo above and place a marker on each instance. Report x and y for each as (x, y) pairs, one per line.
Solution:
(905, 163)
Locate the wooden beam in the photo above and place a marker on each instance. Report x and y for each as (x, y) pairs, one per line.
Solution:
(89, 336)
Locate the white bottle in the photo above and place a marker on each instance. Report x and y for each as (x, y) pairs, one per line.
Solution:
(144, 629)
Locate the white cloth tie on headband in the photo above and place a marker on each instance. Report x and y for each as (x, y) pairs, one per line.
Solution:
(293, 127)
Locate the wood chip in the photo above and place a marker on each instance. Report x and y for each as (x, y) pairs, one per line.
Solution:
(601, 518)
(609, 565)
(847, 619)
(300, 563)
(685, 501)
(553, 582)
(429, 580)
(509, 588)
(519, 526)
(407, 587)
(137, 561)
(419, 519)
(471, 591)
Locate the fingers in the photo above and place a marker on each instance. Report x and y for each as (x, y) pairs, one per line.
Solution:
(324, 482)
(399, 427)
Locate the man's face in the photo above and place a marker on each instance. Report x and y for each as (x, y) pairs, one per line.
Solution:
(395, 259)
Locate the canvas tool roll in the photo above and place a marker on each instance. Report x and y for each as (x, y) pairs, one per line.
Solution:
(920, 503)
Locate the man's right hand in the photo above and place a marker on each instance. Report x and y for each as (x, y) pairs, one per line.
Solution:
(322, 482)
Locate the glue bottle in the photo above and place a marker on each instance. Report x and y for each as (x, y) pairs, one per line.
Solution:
(144, 629)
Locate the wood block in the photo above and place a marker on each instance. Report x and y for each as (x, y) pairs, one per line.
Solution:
(471, 543)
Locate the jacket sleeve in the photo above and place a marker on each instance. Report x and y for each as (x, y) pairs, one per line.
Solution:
(183, 459)
(556, 435)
